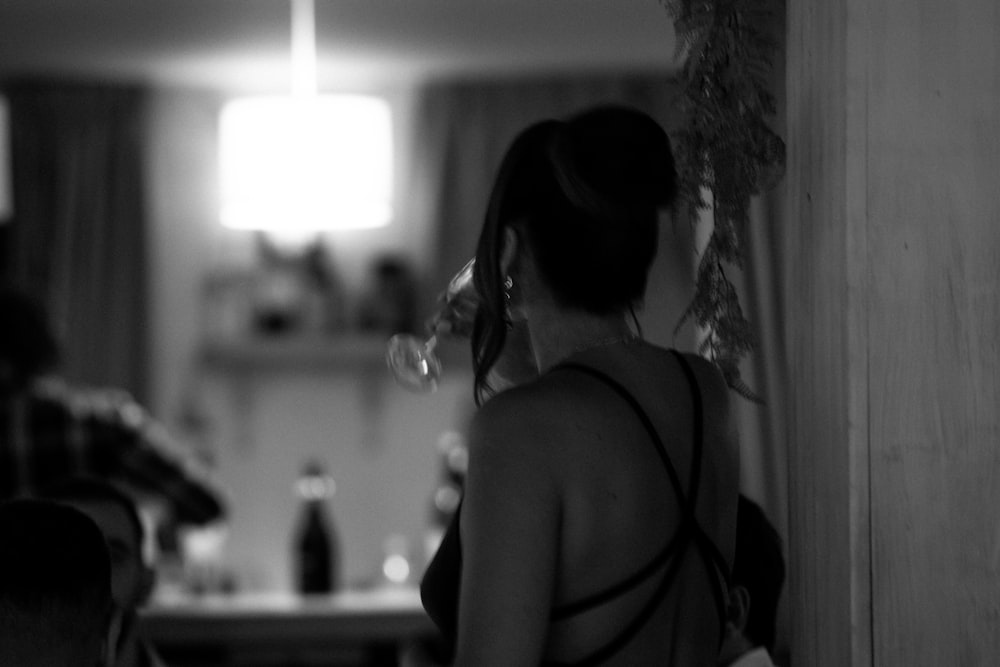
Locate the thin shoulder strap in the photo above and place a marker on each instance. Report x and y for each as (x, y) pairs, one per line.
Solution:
(698, 424)
(580, 605)
(710, 552)
(675, 480)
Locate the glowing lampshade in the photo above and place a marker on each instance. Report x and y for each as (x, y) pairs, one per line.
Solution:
(306, 163)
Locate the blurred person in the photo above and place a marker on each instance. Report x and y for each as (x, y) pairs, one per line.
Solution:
(758, 576)
(132, 578)
(28, 350)
(50, 429)
(55, 588)
(598, 518)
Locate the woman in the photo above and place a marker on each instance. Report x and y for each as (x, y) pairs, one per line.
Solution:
(598, 519)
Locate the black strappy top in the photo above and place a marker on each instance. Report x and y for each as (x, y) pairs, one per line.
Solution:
(440, 586)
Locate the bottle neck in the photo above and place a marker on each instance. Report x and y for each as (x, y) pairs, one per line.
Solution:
(314, 509)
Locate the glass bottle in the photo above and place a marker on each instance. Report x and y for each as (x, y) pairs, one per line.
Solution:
(316, 548)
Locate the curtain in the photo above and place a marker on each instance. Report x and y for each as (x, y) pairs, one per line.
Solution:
(76, 241)
(762, 427)
(763, 290)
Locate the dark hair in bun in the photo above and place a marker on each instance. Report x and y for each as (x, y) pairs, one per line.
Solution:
(584, 194)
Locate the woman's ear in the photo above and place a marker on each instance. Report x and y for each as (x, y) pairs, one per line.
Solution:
(738, 609)
(509, 250)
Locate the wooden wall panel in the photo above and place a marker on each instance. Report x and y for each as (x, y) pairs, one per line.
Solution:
(825, 312)
(934, 260)
(893, 243)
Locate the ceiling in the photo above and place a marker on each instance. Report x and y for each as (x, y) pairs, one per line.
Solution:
(243, 45)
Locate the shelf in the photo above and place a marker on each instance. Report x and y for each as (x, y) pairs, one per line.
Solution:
(246, 363)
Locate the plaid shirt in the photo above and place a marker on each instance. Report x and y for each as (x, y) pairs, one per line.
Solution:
(52, 432)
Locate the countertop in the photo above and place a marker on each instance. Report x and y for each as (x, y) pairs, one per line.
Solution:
(372, 616)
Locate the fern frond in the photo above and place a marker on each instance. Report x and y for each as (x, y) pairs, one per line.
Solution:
(725, 147)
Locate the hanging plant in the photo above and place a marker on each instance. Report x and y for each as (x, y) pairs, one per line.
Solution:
(725, 149)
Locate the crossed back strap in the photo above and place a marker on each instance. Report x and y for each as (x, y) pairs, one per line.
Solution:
(689, 532)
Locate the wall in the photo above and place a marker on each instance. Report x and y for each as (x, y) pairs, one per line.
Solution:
(894, 326)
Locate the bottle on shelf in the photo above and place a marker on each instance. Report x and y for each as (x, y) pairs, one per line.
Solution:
(316, 548)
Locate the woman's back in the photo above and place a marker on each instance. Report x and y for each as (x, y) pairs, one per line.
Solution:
(618, 507)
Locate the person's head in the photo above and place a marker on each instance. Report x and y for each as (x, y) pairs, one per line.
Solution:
(116, 515)
(758, 577)
(55, 592)
(27, 345)
(580, 199)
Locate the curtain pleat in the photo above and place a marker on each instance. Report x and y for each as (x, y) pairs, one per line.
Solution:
(763, 433)
(77, 239)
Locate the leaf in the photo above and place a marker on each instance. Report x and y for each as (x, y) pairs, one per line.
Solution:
(725, 147)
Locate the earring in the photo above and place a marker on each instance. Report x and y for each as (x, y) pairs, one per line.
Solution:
(508, 284)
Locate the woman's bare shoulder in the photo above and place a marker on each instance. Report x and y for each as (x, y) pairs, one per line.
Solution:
(511, 440)
(528, 407)
(534, 417)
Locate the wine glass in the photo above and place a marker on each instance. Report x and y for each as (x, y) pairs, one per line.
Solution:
(412, 359)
